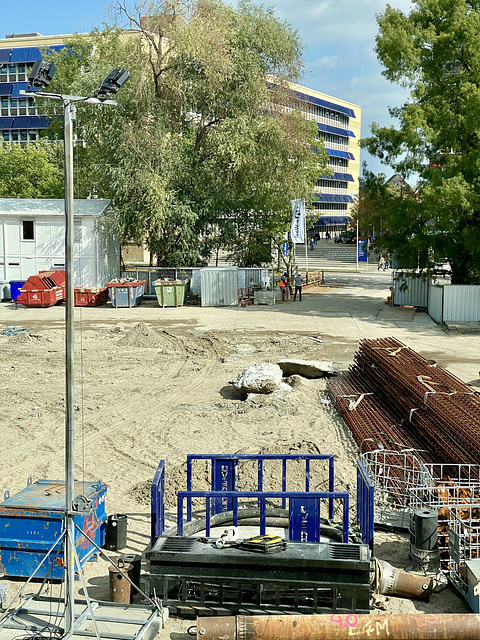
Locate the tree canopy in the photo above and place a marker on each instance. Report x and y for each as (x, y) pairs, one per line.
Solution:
(201, 151)
(435, 52)
(32, 171)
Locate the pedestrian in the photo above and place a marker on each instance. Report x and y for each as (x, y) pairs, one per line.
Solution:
(298, 286)
(284, 284)
(327, 236)
(312, 243)
(381, 262)
(387, 262)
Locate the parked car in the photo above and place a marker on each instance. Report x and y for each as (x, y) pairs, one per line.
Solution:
(346, 238)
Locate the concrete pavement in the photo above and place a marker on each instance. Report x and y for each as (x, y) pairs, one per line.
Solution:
(350, 307)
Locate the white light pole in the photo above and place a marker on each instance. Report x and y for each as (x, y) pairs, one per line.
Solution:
(69, 110)
(357, 243)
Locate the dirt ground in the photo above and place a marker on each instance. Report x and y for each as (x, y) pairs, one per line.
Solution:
(145, 393)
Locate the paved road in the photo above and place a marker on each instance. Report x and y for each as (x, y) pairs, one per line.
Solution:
(350, 307)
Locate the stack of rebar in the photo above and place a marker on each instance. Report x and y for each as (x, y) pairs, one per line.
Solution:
(393, 398)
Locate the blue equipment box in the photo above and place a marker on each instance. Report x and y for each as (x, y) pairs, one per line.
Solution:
(33, 519)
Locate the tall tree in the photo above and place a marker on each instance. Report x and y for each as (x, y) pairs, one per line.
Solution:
(200, 150)
(32, 171)
(435, 52)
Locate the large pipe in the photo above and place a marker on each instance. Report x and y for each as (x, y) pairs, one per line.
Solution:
(335, 626)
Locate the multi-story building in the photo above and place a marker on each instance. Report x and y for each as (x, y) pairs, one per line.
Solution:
(338, 124)
(19, 118)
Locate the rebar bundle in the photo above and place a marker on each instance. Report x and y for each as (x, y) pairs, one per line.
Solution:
(393, 398)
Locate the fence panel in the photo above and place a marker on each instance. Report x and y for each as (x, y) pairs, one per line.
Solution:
(435, 302)
(461, 303)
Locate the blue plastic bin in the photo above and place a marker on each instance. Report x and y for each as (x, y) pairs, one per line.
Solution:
(15, 286)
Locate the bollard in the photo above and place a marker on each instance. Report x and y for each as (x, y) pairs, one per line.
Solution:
(119, 585)
(336, 626)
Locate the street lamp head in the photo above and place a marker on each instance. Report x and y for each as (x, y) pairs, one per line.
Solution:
(113, 82)
(41, 74)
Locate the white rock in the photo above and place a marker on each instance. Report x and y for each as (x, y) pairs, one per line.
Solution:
(264, 377)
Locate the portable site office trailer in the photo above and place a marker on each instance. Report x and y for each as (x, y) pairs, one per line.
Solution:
(32, 239)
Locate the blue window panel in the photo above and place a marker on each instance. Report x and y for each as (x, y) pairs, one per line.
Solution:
(324, 221)
(327, 128)
(6, 123)
(19, 86)
(345, 177)
(335, 153)
(39, 122)
(333, 197)
(325, 103)
(22, 122)
(6, 88)
(25, 54)
(5, 55)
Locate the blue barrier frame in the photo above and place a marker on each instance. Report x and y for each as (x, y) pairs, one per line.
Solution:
(262, 498)
(232, 482)
(157, 508)
(365, 505)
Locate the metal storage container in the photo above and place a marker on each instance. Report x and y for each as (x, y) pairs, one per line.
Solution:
(32, 520)
(170, 293)
(126, 294)
(219, 286)
(90, 297)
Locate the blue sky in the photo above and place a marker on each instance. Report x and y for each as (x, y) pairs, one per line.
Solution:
(339, 35)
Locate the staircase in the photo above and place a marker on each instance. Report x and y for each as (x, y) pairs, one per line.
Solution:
(325, 255)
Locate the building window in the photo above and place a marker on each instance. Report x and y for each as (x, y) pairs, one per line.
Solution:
(28, 230)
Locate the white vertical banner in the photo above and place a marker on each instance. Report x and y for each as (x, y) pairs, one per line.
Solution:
(297, 230)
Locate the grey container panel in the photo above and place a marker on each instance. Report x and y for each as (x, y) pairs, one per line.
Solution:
(219, 287)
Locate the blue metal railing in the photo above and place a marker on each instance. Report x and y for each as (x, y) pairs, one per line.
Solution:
(225, 474)
(308, 496)
(365, 504)
(157, 508)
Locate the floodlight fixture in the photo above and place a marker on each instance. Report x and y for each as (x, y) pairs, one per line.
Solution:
(113, 82)
(41, 74)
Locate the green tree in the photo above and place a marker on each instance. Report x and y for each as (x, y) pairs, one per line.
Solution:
(435, 52)
(32, 171)
(200, 150)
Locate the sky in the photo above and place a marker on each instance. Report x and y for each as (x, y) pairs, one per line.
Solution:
(339, 36)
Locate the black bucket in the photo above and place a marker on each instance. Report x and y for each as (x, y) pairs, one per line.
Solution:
(135, 560)
(116, 532)
(426, 524)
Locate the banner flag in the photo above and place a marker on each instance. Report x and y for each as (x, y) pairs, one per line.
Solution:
(298, 221)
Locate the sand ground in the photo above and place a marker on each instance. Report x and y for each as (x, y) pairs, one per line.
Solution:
(154, 384)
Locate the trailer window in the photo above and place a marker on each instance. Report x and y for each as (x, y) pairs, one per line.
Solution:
(28, 230)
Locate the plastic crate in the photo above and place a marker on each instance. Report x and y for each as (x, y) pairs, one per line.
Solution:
(90, 297)
(126, 294)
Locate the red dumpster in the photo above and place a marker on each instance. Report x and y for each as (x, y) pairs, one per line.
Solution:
(43, 289)
(90, 297)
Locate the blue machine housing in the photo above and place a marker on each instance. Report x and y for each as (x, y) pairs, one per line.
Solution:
(33, 519)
